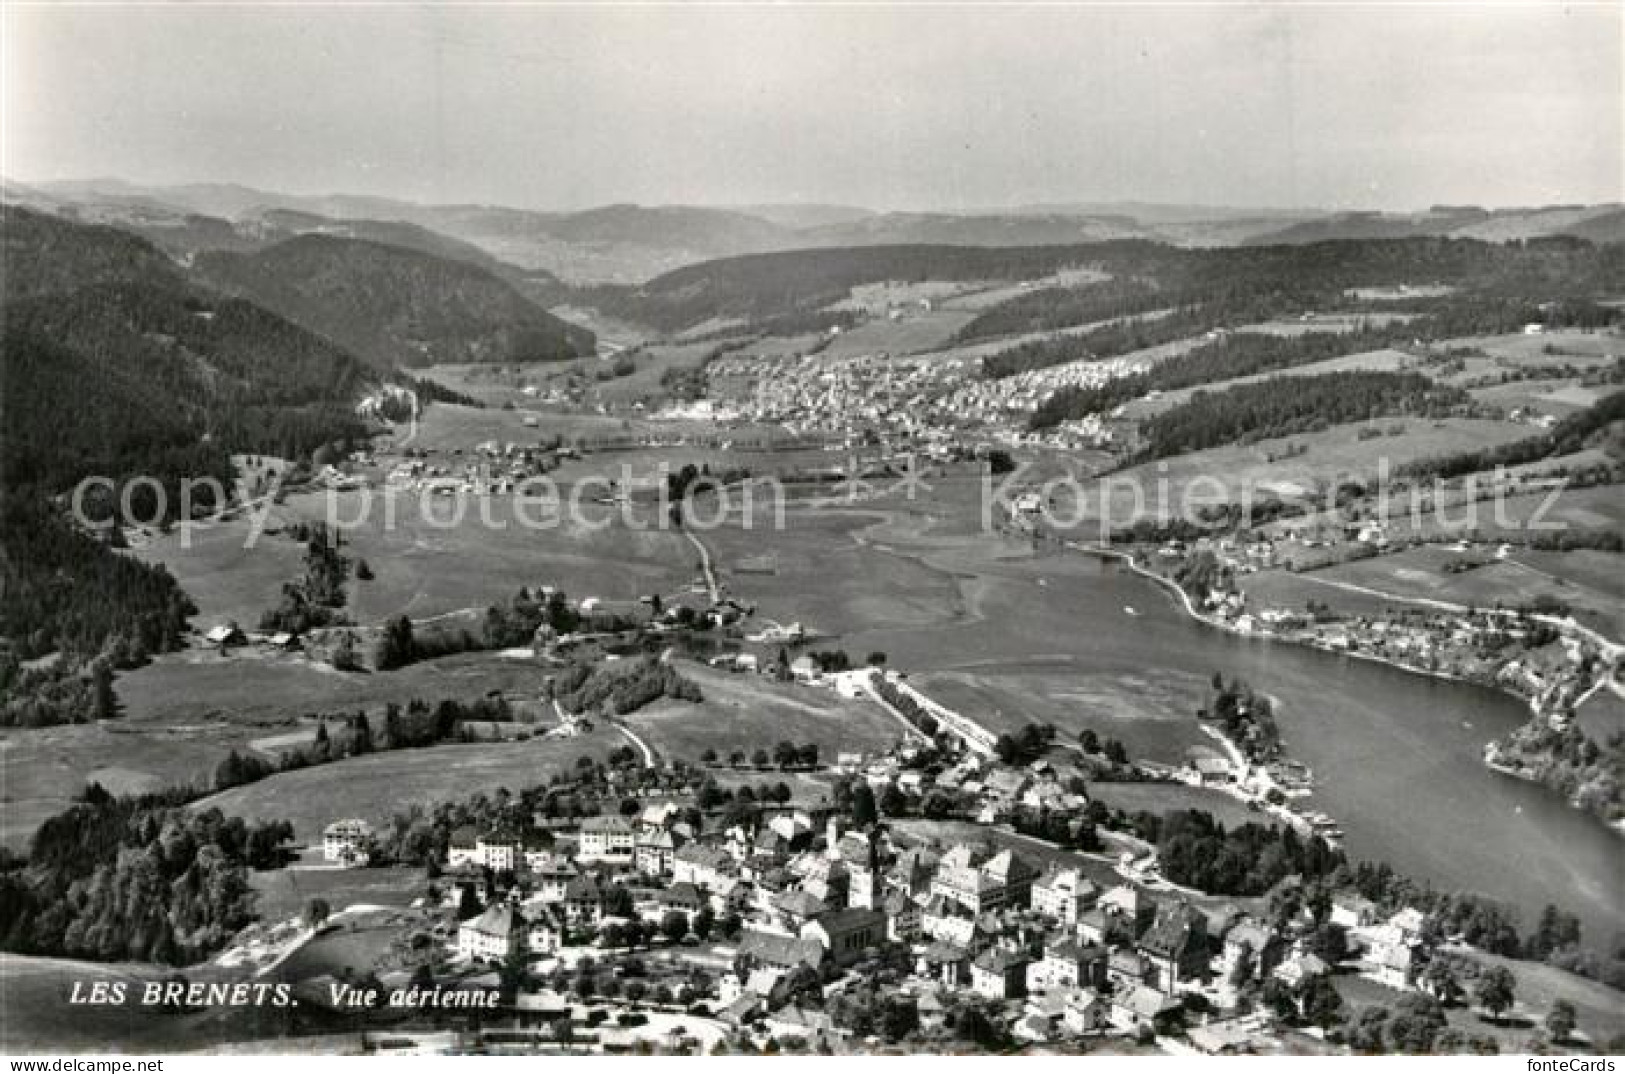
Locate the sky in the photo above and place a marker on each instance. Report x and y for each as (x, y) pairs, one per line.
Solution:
(928, 107)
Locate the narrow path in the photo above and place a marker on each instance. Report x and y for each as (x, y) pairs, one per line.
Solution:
(705, 566)
(632, 737)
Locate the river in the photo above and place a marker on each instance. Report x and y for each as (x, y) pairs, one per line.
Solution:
(1397, 755)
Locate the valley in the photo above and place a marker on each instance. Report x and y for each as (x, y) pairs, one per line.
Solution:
(552, 547)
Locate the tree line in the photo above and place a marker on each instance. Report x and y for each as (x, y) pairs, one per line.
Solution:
(145, 879)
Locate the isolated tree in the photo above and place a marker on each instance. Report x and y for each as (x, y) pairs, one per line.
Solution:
(1560, 1020)
(316, 912)
(1495, 991)
(674, 925)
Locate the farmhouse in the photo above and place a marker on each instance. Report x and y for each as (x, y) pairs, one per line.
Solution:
(347, 842)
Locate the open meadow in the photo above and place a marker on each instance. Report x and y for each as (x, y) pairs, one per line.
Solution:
(375, 786)
(747, 711)
(185, 712)
(285, 893)
(1580, 580)
(1153, 716)
(425, 558)
(1290, 466)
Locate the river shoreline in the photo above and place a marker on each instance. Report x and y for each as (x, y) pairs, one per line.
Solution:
(1531, 704)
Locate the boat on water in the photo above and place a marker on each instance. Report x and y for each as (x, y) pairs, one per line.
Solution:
(1128, 609)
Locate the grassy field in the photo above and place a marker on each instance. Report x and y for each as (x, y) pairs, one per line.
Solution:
(1294, 591)
(1583, 580)
(1600, 1015)
(425, 560)
(1603, 714)
(257, 691)
(1373, 361)
(746, 711)
(1180, 484)
(1515, 514)
(1169, 797)
(43, 769)
(1152, 715)
(284, 893)
(376, 786)
(183, 713)
(914, 333)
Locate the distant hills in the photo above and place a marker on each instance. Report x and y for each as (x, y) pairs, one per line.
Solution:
(625, 243)
(116, 363)
(395, 305)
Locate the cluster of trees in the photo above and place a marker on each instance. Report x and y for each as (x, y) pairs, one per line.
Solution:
(315, 599)
(1248, 719)
(785, 756)
(1571, 762)
(621, 686)
(1285, 406)
(1197, 851)
(1026, 745)
(1071, 832)
(691, 480)
(529, 608)
(1568, 436)
(69, 594)
(135, 879)
(1415, 1025)
(341, 735)
(904, 703)
(1114, 752)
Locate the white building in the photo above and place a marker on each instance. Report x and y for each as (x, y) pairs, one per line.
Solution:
(607, 839)
(348, 842)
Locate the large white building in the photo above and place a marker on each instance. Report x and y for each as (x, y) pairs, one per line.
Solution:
(495, 933)
(347, 842)
(607, 839)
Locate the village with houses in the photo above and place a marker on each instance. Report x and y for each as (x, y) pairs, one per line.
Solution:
(691, 919)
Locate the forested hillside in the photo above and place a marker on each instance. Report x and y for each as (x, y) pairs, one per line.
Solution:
(147, 881)
(762, 287)
(396, 306)
(44, 255)
(1284, 406)
(114, 366)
